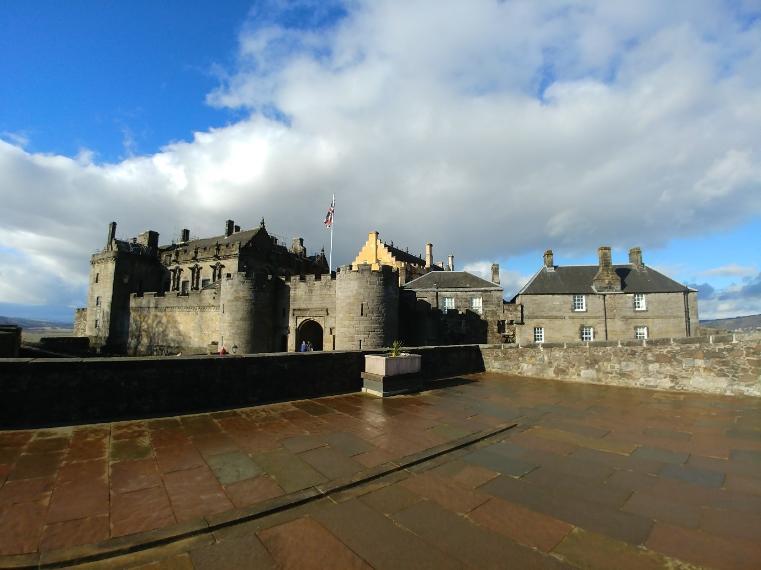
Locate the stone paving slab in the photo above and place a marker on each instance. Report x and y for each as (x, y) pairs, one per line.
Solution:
(592, 477)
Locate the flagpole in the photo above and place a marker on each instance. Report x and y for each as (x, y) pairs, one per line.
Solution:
(333, 221)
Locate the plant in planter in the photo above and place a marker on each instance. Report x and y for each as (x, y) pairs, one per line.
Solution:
(392, 373)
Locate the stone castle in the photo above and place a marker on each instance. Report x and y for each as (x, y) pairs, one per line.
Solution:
(245, 291)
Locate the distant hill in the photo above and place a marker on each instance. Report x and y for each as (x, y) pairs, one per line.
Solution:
(735, 323)
(29, 324)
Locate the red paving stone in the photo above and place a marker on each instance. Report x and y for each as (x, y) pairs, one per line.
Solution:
(521, 524)
(74, 533)
(612, 463)
(251, 491)
(305, 544)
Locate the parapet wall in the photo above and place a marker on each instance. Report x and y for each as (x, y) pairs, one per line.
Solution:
(65, 391)
(726, 364)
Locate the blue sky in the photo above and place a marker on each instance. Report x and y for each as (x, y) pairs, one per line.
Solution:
(495, 130)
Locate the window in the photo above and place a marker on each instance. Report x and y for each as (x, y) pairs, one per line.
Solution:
(97, 324)
(501, 326)
(447, 303)
(579, 302)
(97, 301)
(639, 302)
(204, 282)
(185, 287)
(97, 275)
(587, 334)
(640, 333)
(361, 309)
(538, 334)
(477, 305)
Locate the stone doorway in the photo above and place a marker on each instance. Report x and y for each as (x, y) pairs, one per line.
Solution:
(311, 332)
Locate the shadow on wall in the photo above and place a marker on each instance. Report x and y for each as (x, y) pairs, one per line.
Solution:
(148, 335)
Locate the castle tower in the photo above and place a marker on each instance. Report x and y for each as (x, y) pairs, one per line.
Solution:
(236, 319)
(367, 307)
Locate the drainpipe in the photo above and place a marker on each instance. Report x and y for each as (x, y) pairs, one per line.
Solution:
(686, 313)
(605, 314)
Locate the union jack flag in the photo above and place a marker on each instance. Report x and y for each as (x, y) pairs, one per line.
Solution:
(329, 217)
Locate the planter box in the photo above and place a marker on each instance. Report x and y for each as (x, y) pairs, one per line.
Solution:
(382, 365)
(391, 375)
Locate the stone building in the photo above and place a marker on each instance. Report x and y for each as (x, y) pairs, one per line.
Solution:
(604, 302)
(454, 307)
(248, 293)
(143, 296)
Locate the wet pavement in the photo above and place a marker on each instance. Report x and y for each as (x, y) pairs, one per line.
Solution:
(591, 476)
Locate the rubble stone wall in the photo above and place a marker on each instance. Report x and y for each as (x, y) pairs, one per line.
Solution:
(726, 364)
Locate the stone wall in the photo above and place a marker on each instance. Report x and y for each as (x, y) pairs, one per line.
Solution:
(39, 392)
(721, 364)
(168, 323)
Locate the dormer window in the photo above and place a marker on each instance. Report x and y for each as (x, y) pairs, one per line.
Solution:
(640, 304)
(579, 302)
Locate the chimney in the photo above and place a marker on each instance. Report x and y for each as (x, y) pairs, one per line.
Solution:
(549, 260)
(428, 255)
(237, 229)
(372, 237)
(450, 262)
(111, 233)
(297, 246)
(149, 239)
(229, 228)
(495, 273)
(606, 280)
(185, 235)
(635, 258)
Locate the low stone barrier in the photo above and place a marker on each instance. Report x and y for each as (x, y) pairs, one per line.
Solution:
(726, 364)
(63, 391)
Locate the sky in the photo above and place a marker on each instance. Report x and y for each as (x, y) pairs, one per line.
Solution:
(493, 129)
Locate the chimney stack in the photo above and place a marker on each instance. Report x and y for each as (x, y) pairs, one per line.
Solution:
(450, 262)
(635, 258)
(428, 255)
(373, 238)
(149, 239)
(185, 235)
(229, 228)
(549, 260)
(606, 280)
(297, 246)
(495, 273)
(111, 233)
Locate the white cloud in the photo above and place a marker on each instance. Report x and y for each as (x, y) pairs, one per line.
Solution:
(511, 281)
(732, 270)
(488, 128)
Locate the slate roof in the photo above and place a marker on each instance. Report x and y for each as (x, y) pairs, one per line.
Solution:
(404, 256)
(450, 280)
(243, 237)
(577, 279)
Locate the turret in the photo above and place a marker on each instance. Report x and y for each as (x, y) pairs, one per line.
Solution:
(367, 307)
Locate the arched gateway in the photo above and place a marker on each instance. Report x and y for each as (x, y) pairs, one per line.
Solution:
(311, 332)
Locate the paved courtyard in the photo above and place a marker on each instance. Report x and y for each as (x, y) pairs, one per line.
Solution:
(589, 476)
